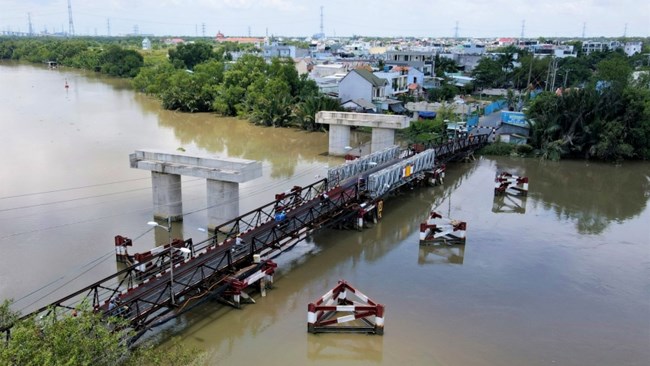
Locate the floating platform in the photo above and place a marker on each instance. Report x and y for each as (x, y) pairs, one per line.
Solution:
(343, 309)
(437, 229)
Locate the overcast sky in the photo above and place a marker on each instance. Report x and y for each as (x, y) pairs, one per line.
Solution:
(420, 18)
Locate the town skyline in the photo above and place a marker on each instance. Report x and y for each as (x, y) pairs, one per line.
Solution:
(295, 18)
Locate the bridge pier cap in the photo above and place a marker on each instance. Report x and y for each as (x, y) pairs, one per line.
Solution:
(232, 171)
(340, 123)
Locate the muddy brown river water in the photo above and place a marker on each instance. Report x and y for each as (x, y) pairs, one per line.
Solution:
(561, 279)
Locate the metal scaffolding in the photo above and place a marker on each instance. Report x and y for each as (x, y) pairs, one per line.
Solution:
(338, 174)
(398, 174)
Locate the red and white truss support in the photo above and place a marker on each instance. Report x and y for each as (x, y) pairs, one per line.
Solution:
(344, 309)
(436, 176)
(506, 183)
(440, 229)
(235, 293)
(121, 253)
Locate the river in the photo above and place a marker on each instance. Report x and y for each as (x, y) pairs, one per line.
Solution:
(563, 279)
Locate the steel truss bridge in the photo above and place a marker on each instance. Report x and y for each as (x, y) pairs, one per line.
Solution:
(148, 293)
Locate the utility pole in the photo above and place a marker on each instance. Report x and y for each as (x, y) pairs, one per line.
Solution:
(530, 70)
(548, 75)
(554, 63)
(566, 77)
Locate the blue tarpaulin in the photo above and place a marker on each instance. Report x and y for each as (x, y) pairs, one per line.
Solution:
(427, 114)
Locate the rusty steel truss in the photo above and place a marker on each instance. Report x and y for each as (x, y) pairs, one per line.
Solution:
(218, 264)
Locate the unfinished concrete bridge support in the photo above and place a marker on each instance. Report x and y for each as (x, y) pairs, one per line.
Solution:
(383, 129)
(223, 176)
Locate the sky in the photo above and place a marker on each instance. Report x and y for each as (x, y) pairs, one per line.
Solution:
(301, 18)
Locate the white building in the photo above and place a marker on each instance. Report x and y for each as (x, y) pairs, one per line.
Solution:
(597, 46)
(276, 50)
(632, 48)
(146, 44)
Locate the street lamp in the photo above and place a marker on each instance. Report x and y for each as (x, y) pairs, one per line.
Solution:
(168, 228)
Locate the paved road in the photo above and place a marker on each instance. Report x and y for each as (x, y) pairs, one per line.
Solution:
(489, 125)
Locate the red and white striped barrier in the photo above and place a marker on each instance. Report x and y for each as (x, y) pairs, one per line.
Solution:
(235, 291)
(506, 183)
(121, 254)
(437, 175)
(344, 304)
(439, 229)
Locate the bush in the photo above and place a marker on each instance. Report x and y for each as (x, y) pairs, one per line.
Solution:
(524, 149)
(497, 148)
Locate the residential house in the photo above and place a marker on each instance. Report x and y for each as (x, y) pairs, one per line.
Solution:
(396, 80)
(558, 51)
(361, 84)
(632, 48)
(514, 128)
(280, 50)
(597, 46)
(303, 65)
(359, 105)
(324, 70)
(146, 44)
(421, 60)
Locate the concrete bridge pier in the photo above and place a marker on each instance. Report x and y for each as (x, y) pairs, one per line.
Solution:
(167, 196)
(339, 139)
(223, 201)
(382, 138)
(223, 176)
(383, 129)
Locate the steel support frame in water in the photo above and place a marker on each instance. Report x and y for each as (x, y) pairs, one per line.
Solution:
(323, 314)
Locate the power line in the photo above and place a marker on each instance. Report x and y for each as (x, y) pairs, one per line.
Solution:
(72, 188)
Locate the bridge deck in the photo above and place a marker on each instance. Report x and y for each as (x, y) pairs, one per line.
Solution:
(217, 259)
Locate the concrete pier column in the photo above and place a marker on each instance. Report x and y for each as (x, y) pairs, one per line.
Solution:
(223, 177)
(382, 138)
(339, 139)
(167, 197)
(383, 128)
(223, 202)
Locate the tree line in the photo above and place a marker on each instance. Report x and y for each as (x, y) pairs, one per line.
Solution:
(603, 113)
(193, 77)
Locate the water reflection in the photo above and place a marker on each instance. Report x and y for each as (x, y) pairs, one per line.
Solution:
(507, 203)
(592, 194)
(340, 347)
(446, 253)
